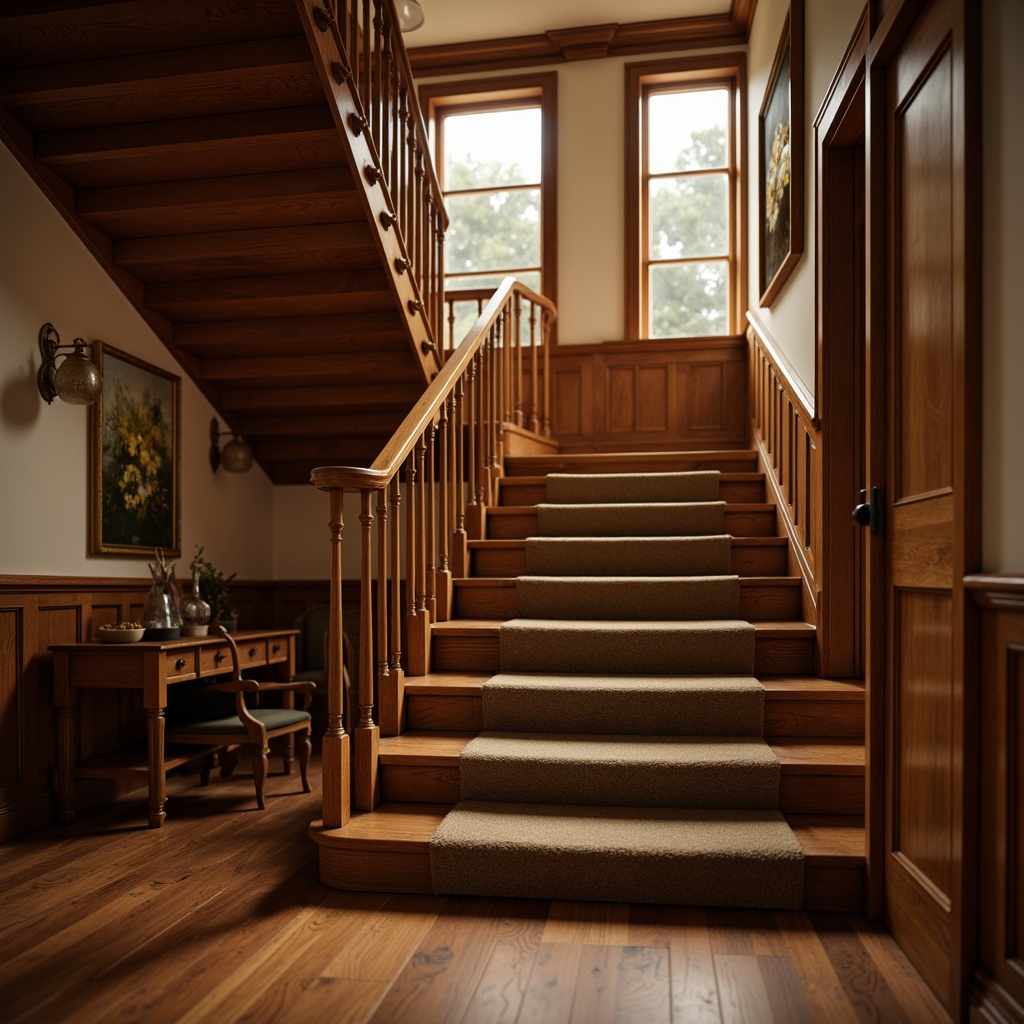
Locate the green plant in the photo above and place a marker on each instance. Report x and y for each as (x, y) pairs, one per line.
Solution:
(213, 585)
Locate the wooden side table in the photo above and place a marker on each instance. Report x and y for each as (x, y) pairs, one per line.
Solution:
(151, 668)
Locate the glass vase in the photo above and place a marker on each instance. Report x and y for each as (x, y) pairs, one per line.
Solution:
(162, 612)
(195, 612)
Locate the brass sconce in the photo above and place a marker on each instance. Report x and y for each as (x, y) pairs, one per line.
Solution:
(236, 455)
(76, 380)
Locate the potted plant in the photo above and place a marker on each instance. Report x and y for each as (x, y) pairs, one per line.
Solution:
(213, 585)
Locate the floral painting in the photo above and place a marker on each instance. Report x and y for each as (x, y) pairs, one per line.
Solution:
(136, 501)
(780, 143)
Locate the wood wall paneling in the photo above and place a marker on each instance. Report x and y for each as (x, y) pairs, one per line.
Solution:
(650, 395)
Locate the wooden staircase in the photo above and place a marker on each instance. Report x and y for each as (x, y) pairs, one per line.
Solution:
(815, 726)
(244, 183)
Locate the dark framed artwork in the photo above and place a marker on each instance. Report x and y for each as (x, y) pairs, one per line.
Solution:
(781, 161)
(135, 477)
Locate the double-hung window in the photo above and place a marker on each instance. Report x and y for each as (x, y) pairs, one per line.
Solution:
(684, 227)
(495, 157)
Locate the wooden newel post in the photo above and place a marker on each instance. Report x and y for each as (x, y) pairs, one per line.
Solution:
(336, 766)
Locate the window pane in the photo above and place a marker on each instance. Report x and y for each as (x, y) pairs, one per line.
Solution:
(493, 231)
(689, 299)
(687, 131)
(492, 148)
(689, 216)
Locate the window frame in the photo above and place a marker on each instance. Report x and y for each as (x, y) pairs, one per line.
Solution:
(717, 70)
(509, 92)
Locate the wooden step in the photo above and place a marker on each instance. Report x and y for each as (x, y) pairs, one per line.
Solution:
(471, 645)
(739, 461)
(761, 597)
(794, 706)
(509, 522)
(388, 850)
(532, 490)
(819, 776)
(751, 556)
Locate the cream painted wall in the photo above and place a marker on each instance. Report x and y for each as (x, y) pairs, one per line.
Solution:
(46, 274)
(1003, 260)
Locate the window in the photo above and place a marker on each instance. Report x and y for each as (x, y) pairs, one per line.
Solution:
(495, 158)
(685, 233)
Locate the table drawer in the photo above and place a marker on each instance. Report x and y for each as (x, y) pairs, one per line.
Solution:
(213, 660)
(179, 665)
(252, 652)
(277, 650)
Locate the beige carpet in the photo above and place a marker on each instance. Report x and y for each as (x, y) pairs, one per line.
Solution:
(622, 758)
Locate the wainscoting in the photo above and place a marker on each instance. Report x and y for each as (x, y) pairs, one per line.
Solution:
(36, 611)
(650, 395)
(997, 989)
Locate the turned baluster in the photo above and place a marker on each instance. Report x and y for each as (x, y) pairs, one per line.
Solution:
(335, 748)
(517, 377)
(535, 372)
(460, 547)
(443, 576)
(431, 525)
(546, 345)
(367, 735)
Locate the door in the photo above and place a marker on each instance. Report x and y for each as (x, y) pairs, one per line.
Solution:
(924, 445)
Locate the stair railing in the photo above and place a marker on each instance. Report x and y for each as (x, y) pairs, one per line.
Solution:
(450, 451)
(359, 42)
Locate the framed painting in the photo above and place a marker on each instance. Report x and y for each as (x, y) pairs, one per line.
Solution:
(135, 477)
(781, 161)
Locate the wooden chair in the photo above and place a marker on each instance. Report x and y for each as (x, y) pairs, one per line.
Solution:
(252, 728)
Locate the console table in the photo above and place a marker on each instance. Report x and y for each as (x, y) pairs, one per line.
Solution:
(150, 667)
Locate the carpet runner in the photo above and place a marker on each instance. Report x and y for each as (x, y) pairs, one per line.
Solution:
(622, 758)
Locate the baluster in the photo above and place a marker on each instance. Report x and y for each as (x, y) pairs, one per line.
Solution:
(443, 577)
(352, 42)
(386, 700)
(534, 372)
(474, 518)
(366, 93)
(517, 381)
(335, 749)
(367, 735)
(418, 623)
(395, 721)
(431, 525)
(490, 413)
(460, 547)
(386, 82)
(451, 325)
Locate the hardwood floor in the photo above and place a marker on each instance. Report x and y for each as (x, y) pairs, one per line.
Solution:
(220, 916)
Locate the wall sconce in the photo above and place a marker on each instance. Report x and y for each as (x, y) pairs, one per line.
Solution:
(235, 457)
(76, 380)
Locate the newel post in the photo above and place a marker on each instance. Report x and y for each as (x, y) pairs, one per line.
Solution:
(336, 765)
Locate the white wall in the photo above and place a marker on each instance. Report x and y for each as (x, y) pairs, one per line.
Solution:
(46, 274)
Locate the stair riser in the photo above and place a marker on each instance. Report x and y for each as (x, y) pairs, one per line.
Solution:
(772, 655)
(837, 889)
(839, 719)
(746, 561)
(627, 462)
(749, 523)
(756, 603)
(798, 794)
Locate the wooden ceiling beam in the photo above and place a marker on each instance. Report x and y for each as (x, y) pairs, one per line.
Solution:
(290, 371)
(366, 424)
(399, 395)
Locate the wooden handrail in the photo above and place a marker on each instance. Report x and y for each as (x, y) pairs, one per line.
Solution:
(450, 447)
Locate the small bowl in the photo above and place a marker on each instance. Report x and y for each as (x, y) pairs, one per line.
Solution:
(120, 636)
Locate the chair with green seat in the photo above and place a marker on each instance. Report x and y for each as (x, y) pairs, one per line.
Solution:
(252, 728)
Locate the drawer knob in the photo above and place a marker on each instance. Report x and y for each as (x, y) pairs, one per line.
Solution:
(218, 657)
(276, 648)
(252, 652)
(180, 663)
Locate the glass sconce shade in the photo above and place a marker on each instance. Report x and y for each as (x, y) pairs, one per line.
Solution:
(236, 456)
(410, 15)
(77, 380)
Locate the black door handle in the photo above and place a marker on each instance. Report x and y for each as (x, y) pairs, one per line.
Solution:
(871, 513)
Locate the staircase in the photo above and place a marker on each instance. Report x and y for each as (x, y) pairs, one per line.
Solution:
(266, 203)
(814, 726)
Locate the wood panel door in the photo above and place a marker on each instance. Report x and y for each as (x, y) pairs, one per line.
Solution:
(924, 269)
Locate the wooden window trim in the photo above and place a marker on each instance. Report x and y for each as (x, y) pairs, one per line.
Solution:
(468, 95)
(714, 69)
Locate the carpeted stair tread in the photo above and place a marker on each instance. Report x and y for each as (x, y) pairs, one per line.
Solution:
(648, 771)
(628, 597)
(584, 488)
(628, 705)
(618, 854)
(663, 519)
(715, 646)
(629, 556)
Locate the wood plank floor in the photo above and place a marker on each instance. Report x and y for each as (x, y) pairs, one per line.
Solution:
(219, 916)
